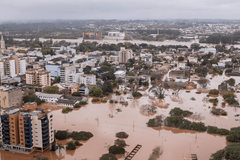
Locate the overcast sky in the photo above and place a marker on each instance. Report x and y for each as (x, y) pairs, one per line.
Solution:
(118, 9)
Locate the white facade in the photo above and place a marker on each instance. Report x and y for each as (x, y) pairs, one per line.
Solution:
(193, 59)
(88, 79)
(22, 66)
(119, 74)
(146, 57)
(208, 50)
(87, 63)
(12, 68)
(181, 64)
(37, 132)
(48, 97)
(2, 69)
(65, 72)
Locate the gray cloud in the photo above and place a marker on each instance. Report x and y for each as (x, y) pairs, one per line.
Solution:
(124, 9)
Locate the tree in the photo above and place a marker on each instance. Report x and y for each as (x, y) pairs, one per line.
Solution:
(96, 92)
(70, 146)
(78, 94)
(59, 147)
(231, 82)
(131, 80)
(87, 70)
(230, 152)
(116, 150)
(107, 87)
(203, 82)
(195, 46)
(180, 58)
(108, 156)
(51, 89)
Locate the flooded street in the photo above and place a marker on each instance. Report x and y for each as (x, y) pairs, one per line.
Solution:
(175, 143)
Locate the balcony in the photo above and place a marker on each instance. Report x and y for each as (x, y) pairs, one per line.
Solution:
(45, 126)
(45, 122)
(45, 139)
(6, 121)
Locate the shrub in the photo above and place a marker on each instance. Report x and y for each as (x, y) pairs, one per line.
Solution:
(96, 92)
(214, 101)
(78, 94)
(70, 146)
(111, 101)
(76, 143)
(231, 82)
(81, 135)
(230, 152)
(108, 156)
(230, 98)
(51, 89)
(77, 105)
(124, 92)
(136, 94)
(155, 122)
(95, 100)
(218, 111)
(215, 130)
(145, 84)
(118, 93)
(116, 101)
(83, 102)
(120, 143)
(61, 135)
(214, 92)
(66, 110)
(234, 135)
(116, 150)
(104, 101)
(121, 135)
(179, 112)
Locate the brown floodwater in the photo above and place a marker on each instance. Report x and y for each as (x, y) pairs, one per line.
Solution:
(104, 121)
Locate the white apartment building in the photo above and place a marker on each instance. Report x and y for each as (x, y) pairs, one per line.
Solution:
(125, 55)
(88, 79)
(65, 71)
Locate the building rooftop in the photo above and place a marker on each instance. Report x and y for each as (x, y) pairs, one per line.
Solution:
(48, 95)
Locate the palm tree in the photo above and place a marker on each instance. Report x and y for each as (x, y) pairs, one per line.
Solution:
(59, 147)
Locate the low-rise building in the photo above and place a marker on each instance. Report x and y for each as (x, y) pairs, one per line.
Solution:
(68, 101)
(53, 98)
(119, 74)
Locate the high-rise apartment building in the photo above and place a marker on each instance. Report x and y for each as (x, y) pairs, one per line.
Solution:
(39, 77)
(125, 55)
(26, 129)
(65, 71)
(12, 67)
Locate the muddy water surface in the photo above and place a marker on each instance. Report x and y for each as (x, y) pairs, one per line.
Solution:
(174, 142)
